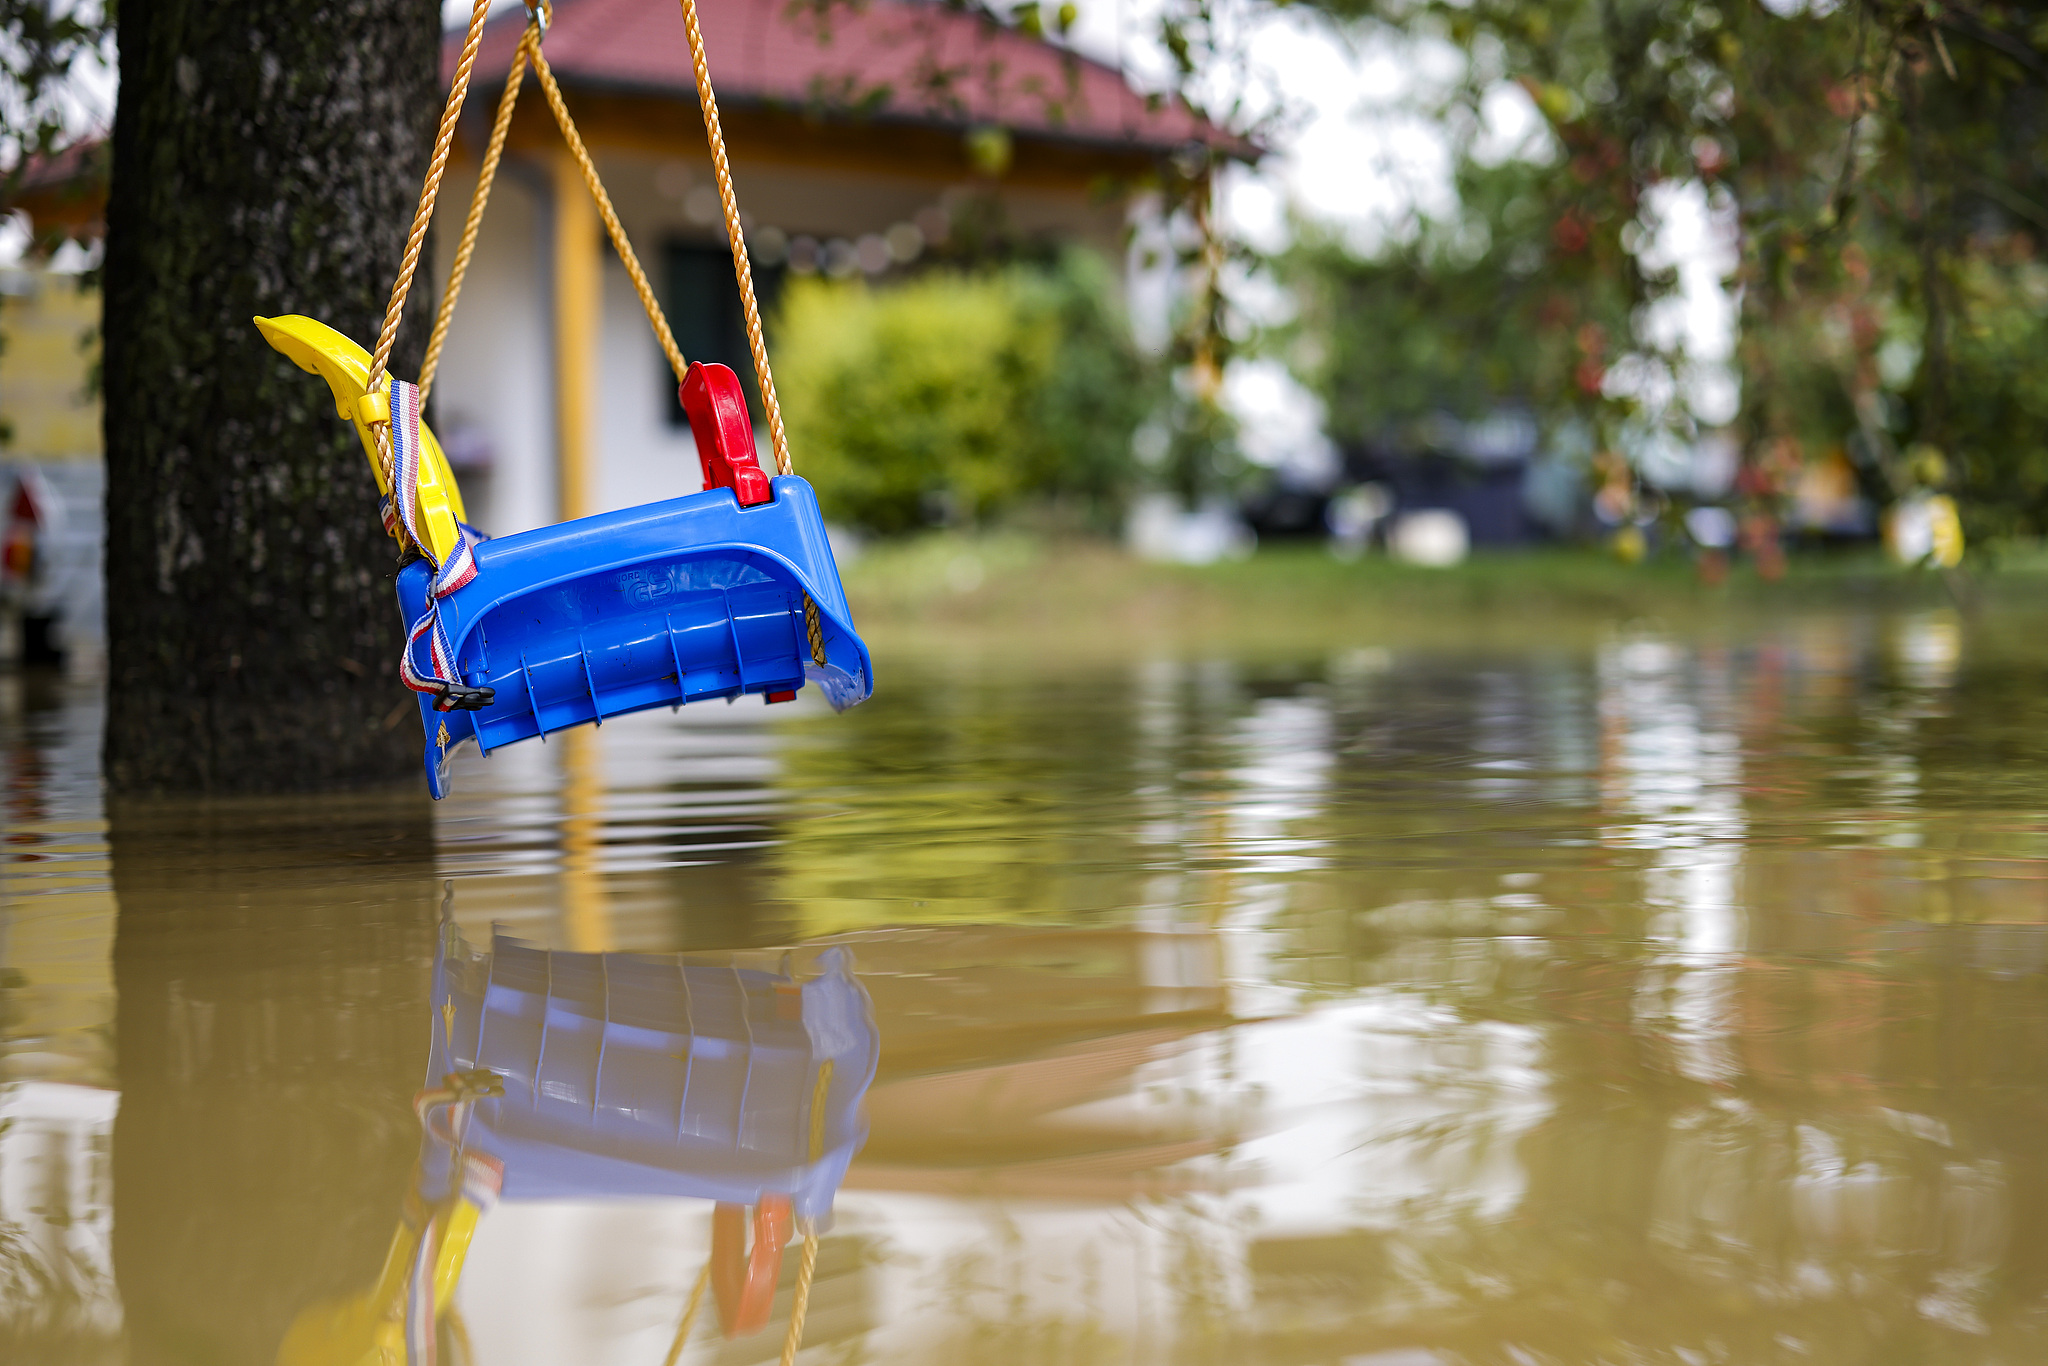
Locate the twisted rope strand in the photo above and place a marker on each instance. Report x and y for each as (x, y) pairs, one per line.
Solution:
(742, 268)
(428, 192)
(486, 175)
(529, 50)
(675, 1349)
(814, 631)
(743, 272)
(801, 1304)
(611, 219)
(422, 216)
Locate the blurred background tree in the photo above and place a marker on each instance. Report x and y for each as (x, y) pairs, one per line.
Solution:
(46, 47)
(1476, 309)
(49, 52)
(1879, 164)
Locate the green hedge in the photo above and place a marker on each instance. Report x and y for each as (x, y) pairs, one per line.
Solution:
(962, 397)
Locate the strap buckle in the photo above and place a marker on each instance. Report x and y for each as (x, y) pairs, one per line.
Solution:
(478, 1083)
(462, 697)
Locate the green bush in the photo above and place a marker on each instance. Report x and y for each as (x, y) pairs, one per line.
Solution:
(962, 397)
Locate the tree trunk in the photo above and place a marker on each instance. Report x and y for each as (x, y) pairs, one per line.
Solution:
(267, 155)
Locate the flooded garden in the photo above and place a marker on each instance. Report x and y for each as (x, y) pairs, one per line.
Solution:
(1626, 992)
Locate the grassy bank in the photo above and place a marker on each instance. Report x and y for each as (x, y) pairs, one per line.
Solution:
(1015, 592)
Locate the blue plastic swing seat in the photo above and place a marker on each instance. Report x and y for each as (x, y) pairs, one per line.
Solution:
(655, 606)
(632, 1074)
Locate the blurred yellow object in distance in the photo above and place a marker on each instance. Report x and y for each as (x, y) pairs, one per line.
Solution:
(1948, 532)
(1925, 528)
(318, 349)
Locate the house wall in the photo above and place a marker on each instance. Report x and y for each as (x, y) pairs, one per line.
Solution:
(48, 330)
(494, 392)
(51, 324)
(493, 404)
(494, 396)
(673, 193)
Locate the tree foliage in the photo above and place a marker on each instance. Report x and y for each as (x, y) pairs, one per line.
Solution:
(1473, 311)
(1203, 57)
(44, 46)
(1881, 165)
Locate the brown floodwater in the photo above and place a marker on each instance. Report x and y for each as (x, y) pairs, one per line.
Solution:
(1650, 996)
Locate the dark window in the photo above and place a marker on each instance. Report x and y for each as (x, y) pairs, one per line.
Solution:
(703, 304)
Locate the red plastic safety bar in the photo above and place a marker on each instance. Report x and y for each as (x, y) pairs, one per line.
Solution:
(717, 409)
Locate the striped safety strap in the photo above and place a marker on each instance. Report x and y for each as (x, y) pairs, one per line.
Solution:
(439, 674)
(483, 1176)
(420, 1335)
(479, 1178)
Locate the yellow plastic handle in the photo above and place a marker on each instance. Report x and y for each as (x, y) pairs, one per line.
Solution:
(318, 349)
(358, 1330)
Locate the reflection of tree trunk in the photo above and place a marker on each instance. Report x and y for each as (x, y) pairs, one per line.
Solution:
(1979, 1042)
(1579, 1251)
(272, 965)
(1593, 1164)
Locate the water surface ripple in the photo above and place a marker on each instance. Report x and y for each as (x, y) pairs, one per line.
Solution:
(1677, 998)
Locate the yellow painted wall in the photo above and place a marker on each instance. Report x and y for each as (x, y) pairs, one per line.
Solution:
(45, 359)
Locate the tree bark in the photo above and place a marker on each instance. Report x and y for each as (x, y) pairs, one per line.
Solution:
(267, 156)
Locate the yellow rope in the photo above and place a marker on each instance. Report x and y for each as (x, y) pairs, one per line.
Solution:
(818, 1109)
(742, 269)
(802, 1302)
(675, 1349)
(529, 50)
(485, 177)
(425, 213)
(611, 219)
(814, 631)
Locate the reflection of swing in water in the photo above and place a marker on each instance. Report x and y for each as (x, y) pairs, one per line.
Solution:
(620, 1075)
(722, 593)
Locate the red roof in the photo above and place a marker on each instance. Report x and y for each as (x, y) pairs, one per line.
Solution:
(65, 192)
(888, 60)
(83, 161)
